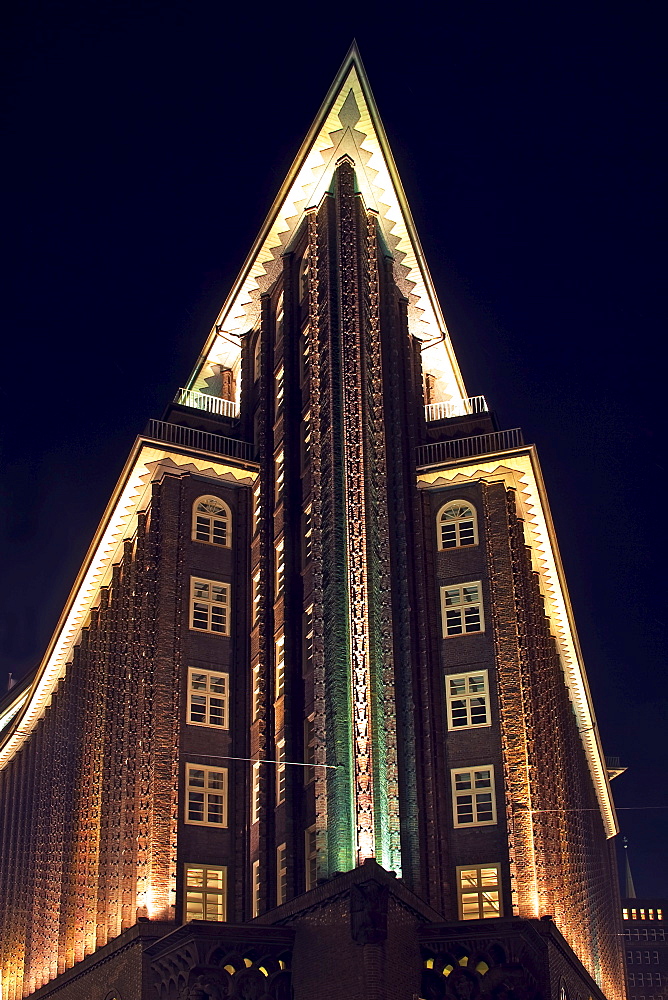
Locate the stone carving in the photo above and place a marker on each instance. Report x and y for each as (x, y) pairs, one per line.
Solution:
(368, 912)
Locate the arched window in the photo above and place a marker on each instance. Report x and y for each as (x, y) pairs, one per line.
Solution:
(456, 525)
(212, 521)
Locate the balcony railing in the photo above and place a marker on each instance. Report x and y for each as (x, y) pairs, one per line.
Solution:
(212, 404)
(480, 444)
(455, 408)
(188, 437)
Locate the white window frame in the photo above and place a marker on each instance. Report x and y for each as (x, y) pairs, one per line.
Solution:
(474, 793)
(255, 888)
(212, 523)
(255, 792)
(471, 697)
(207, 794)
(460, 524)
(279, 667)
(462, 608)
(255, 696)
(256, 598)
(279, 476)
(281, 773)
(310, 858)
(204, 605)
(208, 892)
(482, 888)
(281, 874)
(279, 568)
(212, 697)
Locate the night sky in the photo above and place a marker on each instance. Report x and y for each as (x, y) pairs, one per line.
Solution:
(146, 142)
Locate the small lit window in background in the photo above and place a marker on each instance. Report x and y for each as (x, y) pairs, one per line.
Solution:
(280, 317)
(205, 890)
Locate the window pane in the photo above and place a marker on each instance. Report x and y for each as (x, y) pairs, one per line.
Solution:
(476, 684)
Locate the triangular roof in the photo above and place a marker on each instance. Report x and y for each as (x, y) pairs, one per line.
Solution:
(347, 123)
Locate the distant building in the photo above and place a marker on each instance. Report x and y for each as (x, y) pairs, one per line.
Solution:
(314, 722)
(644, 924)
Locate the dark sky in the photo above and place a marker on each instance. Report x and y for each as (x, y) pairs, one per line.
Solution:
(146, 142)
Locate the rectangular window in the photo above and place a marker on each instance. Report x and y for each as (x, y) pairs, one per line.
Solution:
(468, 700)
(305, 440)
(208, 698)
(304, 352)
(205, 892)
(210, 606)
(257, 597)
(279, 476)
(206, 795)
(307, 663)
(255, 888)
(255, 708)
(279, 580)
(307, 536)
(281, 874)
(280, 772)
(461, 609)
(310, 858)
(257, 506)
(309, 748)
(479, 890)
(279, 666)
(255, 792)
(279, 390)
(473, 800)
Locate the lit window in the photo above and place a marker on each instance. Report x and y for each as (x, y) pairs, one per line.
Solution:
(307, 664)
(281, 874)
(309, 748)
(473, 802)
(279, 390)
(212, 521)
(280, 772)
(310, 858)
(479, 891)
(255, 709)
(279, 476)
(457, 525)
(256, 598)
(257, 506)
(257, 357)
(468, 700)
(625, 914)
(303, 277)
(279, 576)
(255, 878)
(659, 914)
(279, 667)
(208, 698)
(210, 606)
(304, 355)
(307, 535)
(205, 892)
(280, 317)
(255, 792)
(461, 609)
(305, 441)
(206, 794)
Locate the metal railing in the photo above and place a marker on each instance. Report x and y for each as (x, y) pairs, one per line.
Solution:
(455, 408)
(188, 437)
(480, 444)
(212, 404)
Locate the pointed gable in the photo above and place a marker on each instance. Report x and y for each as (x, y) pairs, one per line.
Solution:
(347, 124)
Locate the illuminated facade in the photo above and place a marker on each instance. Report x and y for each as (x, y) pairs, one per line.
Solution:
(322, 635)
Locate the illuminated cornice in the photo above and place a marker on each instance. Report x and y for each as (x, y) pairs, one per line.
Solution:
(520, 469)
(147, 462)
(348, 123)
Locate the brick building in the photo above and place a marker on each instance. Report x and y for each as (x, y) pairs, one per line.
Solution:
(314, 721)
(645, 947)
